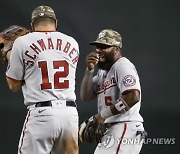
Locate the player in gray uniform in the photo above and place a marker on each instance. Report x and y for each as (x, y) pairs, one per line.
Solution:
(117, 88)
(43, 63)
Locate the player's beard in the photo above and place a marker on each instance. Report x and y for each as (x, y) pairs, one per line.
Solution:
(108, 62)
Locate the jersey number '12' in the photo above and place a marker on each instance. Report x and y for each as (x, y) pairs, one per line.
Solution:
(59, 74)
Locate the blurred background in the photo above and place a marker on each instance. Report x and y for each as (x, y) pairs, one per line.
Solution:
(151, 40)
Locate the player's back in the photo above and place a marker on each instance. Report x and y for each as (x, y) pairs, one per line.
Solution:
(49, 60)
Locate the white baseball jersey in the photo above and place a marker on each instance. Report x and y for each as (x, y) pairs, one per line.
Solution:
(47, 62)
(111, 85)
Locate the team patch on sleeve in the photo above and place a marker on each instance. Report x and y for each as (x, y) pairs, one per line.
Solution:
(129, 80)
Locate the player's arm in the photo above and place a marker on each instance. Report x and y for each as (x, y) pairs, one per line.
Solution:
(122, 105)
(86, 90)
(8, 55)
(14, 85)
(129, 99)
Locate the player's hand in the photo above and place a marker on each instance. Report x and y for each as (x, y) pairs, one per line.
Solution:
(92, 60)
(91, 131)
(99, 118)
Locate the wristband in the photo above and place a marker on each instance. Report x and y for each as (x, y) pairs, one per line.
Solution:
(120, 106)
(106, 113)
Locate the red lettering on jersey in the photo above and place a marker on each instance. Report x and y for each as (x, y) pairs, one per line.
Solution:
(35, 48)
(59, 44)
(66, 48)
(32, 57)
(42, 45)
(106, 85)
(50, 44)
(75, 59)
(28, 62)
(71, 52)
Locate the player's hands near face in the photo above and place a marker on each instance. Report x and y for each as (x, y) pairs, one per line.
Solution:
(92, 60)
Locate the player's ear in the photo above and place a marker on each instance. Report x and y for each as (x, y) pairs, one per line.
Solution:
(116, 50)
(32, 26)
(56, 24)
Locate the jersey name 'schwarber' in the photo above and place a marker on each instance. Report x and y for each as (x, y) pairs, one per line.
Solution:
(57, 44)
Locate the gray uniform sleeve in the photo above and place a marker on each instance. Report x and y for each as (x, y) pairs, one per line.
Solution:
(16, 67)
(127, 78)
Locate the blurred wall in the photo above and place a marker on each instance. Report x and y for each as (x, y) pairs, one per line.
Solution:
(150, 30)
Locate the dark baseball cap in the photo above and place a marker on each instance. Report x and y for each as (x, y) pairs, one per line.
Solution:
(43, 12)
(108, 37)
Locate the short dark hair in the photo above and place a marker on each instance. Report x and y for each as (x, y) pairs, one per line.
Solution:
(43, 21)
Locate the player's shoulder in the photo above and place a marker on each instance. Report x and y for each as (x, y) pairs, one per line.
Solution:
(123, 63)
(123, 60)
(19, 40)
(66, 36)
(24, 36)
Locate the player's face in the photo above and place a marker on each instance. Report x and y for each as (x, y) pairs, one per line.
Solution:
(106, 56)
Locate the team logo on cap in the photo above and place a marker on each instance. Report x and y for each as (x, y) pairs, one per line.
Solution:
(129, 80)
(41, 14)
(102, 34)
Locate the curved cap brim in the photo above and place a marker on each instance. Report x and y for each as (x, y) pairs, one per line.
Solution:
(99, 42)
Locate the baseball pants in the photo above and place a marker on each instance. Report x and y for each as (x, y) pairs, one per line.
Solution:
(49, 130)
(122, 138)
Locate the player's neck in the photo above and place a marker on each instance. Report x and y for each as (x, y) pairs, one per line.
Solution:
(45, 28)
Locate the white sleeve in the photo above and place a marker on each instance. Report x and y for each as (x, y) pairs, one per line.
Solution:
(127, 78)
(95, 84)
(15, 69)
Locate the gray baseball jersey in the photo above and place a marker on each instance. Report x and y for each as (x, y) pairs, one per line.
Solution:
(111, 85)
(47, 62)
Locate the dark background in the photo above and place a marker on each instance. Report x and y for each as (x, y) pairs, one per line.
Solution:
(150, 32)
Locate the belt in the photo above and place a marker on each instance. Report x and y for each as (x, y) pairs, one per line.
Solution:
(109, 125)
(49, 103)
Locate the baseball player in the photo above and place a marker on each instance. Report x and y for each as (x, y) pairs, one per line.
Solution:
(117, 88)
(43, 63)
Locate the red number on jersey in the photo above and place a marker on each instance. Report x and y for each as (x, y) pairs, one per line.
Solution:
(59, 74)
(45, 78)
(108, 100)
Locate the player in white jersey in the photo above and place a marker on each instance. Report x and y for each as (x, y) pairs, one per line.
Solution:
(43, 63)
(117, 88)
